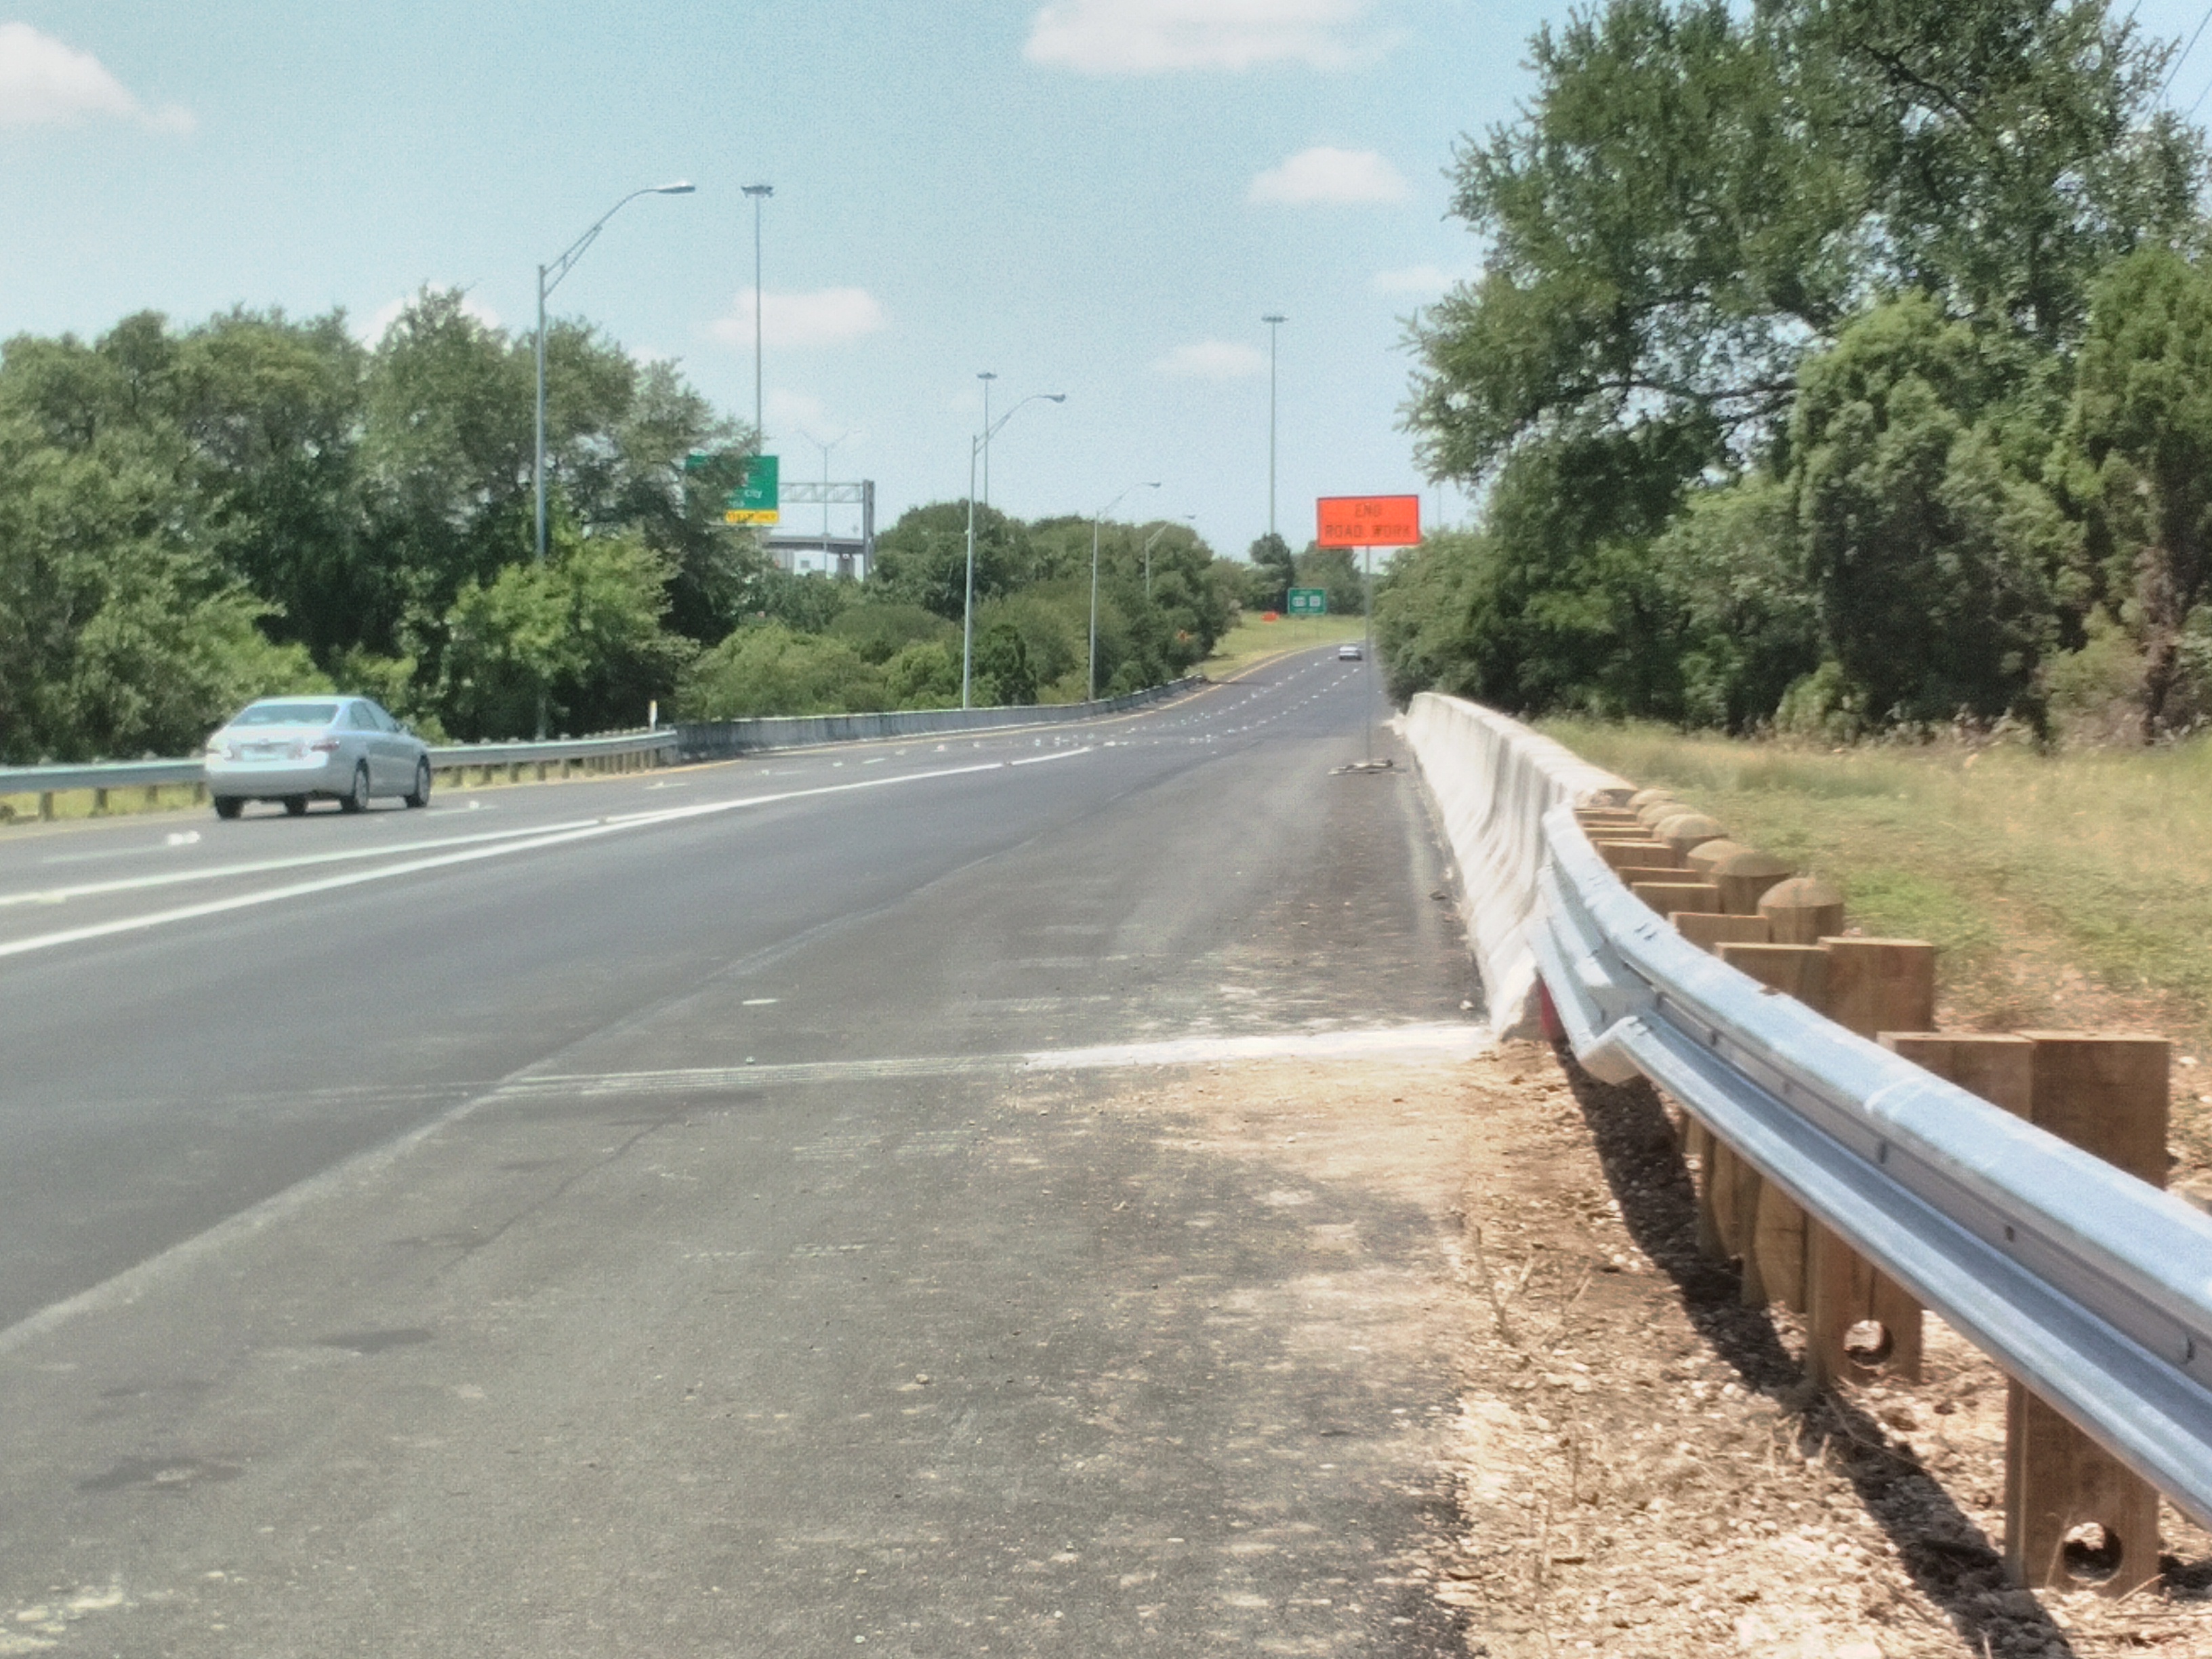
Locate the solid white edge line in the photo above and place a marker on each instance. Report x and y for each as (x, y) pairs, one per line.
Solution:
(527, 841)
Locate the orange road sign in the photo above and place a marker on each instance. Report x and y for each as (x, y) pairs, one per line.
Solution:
(1369, 522)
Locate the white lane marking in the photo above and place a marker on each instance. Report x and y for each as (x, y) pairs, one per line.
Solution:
(1065, 754)
(265, 866)
(1409, 1044)
(528, 841)
(757, 1002)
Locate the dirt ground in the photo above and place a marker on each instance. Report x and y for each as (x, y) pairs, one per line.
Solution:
(1644, 1472)
(1637, 1466)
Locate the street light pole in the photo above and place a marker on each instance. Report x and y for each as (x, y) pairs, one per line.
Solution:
(550, 277)
(977, 446)
(987, 377)
(1152, 540)
(1273, 322)
(825, 449)
(759, 193)
(1090, 681)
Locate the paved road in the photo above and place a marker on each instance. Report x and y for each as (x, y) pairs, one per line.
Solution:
(631, 1215)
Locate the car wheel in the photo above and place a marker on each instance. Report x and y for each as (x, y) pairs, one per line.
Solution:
(228, 806)
(355, 800)
(421, 795)
(296, 805)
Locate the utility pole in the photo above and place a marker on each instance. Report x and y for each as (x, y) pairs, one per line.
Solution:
(1273, 322)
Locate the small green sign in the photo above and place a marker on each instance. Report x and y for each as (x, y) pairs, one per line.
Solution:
(1309, 602)
(755, 502)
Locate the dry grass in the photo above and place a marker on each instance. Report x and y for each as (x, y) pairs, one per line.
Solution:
(1252, 640)
(2048, 881)
(82, 803)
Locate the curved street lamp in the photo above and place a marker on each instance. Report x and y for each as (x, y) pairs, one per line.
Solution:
(549, 278)
(1091, 676)
(976, 447)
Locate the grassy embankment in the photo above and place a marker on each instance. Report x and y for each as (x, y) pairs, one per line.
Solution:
(1252, 640)
(2072, 890)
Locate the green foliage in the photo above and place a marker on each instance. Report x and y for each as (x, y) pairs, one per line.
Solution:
(1932, 561)
(1748, 626)
(767, 668)
(1003, 672)
(880, 629)
(1274, 569)
(1337, 569)
(1770, 364)
(585, 627)
(2142, 426)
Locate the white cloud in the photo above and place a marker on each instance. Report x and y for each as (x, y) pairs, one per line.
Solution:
(45, 83)
(381, 319)
(1213, 359)
(828, 316)
(1428, 280)
(1326, 174)
(793, 411)
(1154, 37)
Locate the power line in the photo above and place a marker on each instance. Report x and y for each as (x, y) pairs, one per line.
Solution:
(2172, 73)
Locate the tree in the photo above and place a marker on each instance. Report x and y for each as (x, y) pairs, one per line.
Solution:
(2141, 428)
(1273, 570)
(1003, 674)
(1339, 570)
(1933, 562)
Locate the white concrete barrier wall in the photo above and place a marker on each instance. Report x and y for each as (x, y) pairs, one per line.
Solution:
(1493, 779)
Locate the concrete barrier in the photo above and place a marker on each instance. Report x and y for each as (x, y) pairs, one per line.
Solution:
(1492, 780)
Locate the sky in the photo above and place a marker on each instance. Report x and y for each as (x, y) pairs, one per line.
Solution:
(1096, 197)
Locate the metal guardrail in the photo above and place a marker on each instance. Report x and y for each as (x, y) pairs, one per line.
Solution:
(714, 740)
(2091, 1287)
(725, 740)
(129, 774)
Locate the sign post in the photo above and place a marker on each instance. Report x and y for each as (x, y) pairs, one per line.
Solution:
(1368, 522)
(756, 501)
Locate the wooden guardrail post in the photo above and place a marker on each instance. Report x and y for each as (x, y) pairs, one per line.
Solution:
(1709, 933)
(1802, 910)
(1744, 877)
(1668, 897)
(1774, 1260)
(1857, 1320)
(2107, 1095)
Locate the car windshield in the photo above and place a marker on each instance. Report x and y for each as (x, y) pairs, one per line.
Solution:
(287, 713)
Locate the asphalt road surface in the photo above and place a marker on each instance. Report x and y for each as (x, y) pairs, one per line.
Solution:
(664, 1214)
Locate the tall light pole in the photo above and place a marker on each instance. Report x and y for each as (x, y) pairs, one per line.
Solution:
(987, 377)
(1273, 322)
(759, 193)
(976, 447)
(1090, 679)
(825, 449)
(549, 278)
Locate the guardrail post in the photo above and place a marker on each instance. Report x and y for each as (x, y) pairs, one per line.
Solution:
(100, 802)
(2107, 1095)
(46, 805)
(1774, 1264)
(1744, 877)
(1668, 897)
(1709, 933)
(1802, 910)
(1647, 854)
(1877, 985)
(1857, 1320)
(1795, 970)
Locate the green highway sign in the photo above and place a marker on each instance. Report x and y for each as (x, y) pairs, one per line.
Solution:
(755, 501)
(1309, 602)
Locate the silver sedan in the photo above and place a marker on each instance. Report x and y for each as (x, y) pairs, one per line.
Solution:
(295, 749)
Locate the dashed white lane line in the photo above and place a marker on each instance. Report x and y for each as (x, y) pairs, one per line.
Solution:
(529, 842)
